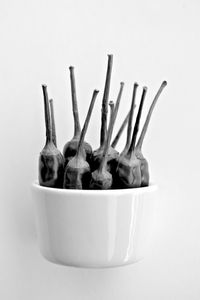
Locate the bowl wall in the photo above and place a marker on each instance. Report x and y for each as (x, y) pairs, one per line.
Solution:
(94, 228)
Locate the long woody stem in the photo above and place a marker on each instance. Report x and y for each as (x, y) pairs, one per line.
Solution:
(129, 129)
(47, 115)
(77, 127)
(120, 131)
(114, 111)
(137, 122)
(85, 126)
(104, 110)
(144, 129)
(107, 142)
(53, 123)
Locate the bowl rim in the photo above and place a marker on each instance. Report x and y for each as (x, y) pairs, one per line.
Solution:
(151, 188)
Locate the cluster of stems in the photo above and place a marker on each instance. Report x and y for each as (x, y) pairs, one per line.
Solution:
(105, 168)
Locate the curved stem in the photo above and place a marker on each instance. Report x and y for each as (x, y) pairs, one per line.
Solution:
(53, 123)
(120, 131)
(47, 115)
(104, 110)
(144, 129)
(77, 127)
(137, 122)
(85, 126)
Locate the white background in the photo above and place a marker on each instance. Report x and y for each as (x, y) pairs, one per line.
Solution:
(151, 41)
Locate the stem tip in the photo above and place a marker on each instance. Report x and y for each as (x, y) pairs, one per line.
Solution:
(136, 84)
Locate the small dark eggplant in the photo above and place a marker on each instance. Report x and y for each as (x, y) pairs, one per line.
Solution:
(51, 162)
(128, 170)
(97, 154)
(128, 139)
(138, 149)
(101, 179)
(112, 155)
(70, 148)
(77, 171)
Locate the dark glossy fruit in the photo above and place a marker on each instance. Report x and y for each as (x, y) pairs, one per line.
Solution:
(70, 148)
(51, 162)
(144, 168)
(51, 167)
(77, 171)
(101, 177)
(128, 170)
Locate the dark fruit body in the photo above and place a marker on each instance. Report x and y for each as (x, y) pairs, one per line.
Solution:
(77, 174)
(77, 171)
(51, 167)
(101, 181)
(144, 168)
(70, 150)
(112, 159)
(128, 172)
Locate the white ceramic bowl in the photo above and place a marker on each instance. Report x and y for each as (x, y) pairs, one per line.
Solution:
(94, 229)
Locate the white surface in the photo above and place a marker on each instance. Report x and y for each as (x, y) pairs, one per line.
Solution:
(94, 229)
(151, 41)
